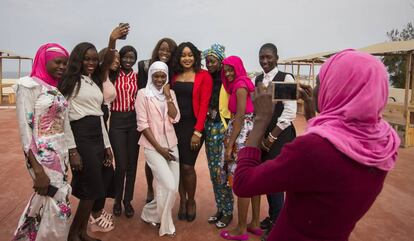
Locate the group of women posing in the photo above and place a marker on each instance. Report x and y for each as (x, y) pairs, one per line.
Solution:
(169, 108)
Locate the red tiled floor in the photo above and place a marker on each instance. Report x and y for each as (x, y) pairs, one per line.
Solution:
(391, 218)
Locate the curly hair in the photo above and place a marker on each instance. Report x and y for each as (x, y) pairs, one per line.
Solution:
(178, 69)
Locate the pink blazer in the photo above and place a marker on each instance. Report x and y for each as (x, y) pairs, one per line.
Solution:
(149, 116)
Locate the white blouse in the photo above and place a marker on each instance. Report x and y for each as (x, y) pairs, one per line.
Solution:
(86, 102)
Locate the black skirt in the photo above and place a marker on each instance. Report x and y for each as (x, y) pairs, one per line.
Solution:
(88, 183)
(184, 131)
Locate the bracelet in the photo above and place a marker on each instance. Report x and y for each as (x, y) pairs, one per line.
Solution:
(170, 100)
(197, 133)
(272, 137)
(266, 147)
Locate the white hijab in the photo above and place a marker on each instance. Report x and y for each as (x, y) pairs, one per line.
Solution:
(150, 89)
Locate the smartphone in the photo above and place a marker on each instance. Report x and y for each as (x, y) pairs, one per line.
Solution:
(123, 37)
(284, 91)
(52, 190)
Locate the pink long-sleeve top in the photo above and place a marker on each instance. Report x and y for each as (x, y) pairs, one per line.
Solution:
(151, 115)
(326, 191)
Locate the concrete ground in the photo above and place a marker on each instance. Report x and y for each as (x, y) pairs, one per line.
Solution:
(391, 218)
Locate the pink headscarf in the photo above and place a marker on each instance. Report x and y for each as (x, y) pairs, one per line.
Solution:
(44, 54)
(353, 93)
(241, 81)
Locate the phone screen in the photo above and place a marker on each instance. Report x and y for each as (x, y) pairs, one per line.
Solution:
(285, 91)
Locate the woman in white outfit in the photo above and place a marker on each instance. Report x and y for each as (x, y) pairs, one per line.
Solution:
(157, 111)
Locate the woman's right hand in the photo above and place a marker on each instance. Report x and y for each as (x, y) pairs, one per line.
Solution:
(263, 106)
(167, 91)
(166, 153)
(41, 183)
(75, 160)
(120, 31)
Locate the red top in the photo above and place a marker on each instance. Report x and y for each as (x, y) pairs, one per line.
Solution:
(326, 191)
(203, 86)
(126, 91)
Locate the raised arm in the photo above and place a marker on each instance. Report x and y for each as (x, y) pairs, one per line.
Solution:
(117, 33)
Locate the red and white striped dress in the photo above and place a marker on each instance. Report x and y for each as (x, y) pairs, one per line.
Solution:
(126, 91)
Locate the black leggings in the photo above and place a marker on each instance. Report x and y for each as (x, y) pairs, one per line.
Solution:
(124, 140)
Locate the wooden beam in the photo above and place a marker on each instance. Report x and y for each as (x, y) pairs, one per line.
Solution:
(407, 88)
(20, 67)
(412, 78)
(1, 81)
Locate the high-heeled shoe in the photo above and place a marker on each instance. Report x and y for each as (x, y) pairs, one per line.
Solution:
(117, 209)
(191, 217)
(182, 214)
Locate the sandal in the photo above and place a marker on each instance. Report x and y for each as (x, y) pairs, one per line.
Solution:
(108, 216)
(224, 221)
(100, 224)
(214, 218)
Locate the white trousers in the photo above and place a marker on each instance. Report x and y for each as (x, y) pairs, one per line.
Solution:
(166, 174)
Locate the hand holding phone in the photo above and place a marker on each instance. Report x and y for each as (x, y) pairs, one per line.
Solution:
(52, 190)
(284, 91)
(127, 27)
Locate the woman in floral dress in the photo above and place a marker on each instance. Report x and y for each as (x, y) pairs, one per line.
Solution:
(44, 132)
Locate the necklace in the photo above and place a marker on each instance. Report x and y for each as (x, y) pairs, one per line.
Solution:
(88, 80)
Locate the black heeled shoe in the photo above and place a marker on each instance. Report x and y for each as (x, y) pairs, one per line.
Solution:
(117, 209)
(129, 210)
(182, 215)
(191, 217)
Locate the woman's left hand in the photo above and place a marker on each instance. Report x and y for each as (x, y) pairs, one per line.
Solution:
(195, 142)
(108, 157)
(120, 31)
(266, 144)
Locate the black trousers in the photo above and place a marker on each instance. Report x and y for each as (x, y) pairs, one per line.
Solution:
(276, 200)
(124, 137)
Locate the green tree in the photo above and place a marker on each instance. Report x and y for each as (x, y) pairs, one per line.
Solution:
(397, 64)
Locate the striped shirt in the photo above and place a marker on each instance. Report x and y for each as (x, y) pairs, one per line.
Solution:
(126, 91)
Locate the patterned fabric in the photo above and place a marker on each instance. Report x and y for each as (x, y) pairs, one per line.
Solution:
(216, 50)
(43, 123)
(230, 167)
(214, 148)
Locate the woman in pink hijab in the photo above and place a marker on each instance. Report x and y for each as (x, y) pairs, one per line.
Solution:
(42, 115)
(333, 173)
